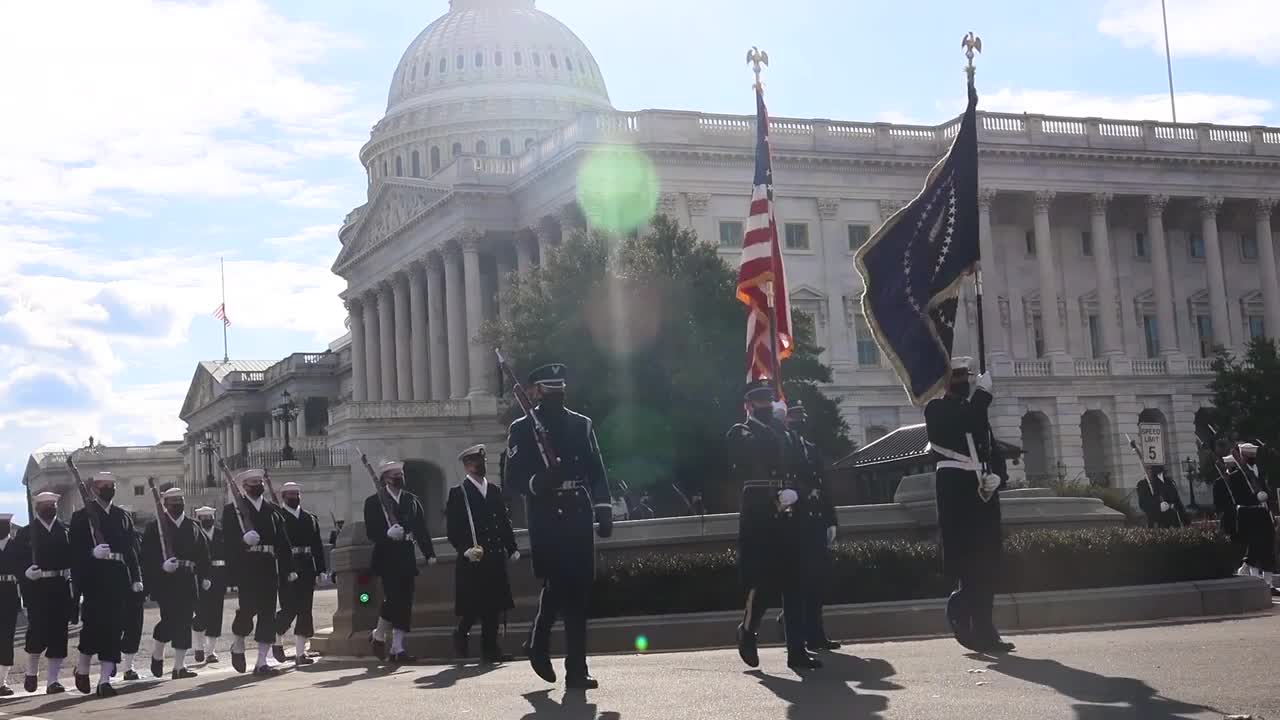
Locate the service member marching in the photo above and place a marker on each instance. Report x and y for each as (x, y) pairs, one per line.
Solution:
(207, 624)
(258, 559)
(176, 568)
(479, 528)
(968, 483)
(1158, 498)
(393, 536)
(1246, 513)
(12, 564)
(105, 573)
(134, 609)
(47, 591)
(819, 516)
(296, 598)
(565, 498)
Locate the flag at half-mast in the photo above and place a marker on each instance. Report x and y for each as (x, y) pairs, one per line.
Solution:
(221, 314)
(762, 281)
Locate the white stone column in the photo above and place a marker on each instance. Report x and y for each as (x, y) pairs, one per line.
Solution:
(418, 331)
(359, 378)
(404, 366)
(502, 261)
(387, 344)
(833, 256)
(224, 433)
(437, 328)
(237, 435)
(524, 254)
(1209, 207)
(548, 233)
(300, 422)
(1104, 266)
(372, 348)
(1267, 259)
(477, 357)
(994, 335)
(455, 308)
(1162, 283)
(1050, 317)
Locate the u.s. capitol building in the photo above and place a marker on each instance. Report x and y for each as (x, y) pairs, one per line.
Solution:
(1116, 253)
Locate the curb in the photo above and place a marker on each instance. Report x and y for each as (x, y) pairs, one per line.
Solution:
(1227, 597)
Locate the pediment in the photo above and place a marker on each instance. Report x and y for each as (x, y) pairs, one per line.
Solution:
(396, 204)
(202, 391)
(806, 292)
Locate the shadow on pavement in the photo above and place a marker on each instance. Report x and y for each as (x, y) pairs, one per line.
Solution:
(450, 676)
(372, 668)
(198, 691)
(820, 694)
(1100, 695)
(573, 706)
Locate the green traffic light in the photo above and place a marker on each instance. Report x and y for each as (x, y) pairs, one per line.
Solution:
(364, 598)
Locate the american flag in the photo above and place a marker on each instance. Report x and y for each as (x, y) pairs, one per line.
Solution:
(221, 314)
(760, 271)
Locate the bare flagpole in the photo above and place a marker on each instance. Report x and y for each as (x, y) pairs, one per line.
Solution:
(222, 266)
(1168, 59)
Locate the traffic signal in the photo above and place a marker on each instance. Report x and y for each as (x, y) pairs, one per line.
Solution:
(363, 596)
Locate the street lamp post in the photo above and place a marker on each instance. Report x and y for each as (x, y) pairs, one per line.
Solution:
(209, 447)
(1190, 467)
(286, 411)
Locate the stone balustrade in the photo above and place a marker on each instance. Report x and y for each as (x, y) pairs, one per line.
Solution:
(395, 410)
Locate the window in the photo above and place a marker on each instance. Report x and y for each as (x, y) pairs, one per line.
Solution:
(444, 65)
(1204, 331)
(459, 61)
(555, 64)
(1095, 336)
(528, 143)
(1140, 244)
(868, 351)
(568, 63)
(457, 150)
(482, 148)
(858, 236)
(497, 58)
(1195, 246)
(730, 233)
(399, 167)
(504, 147)
(1037, 335)
(537, 60)
(139, 491)
(435, 158)
(797, 236)
(1086, 243)
(426, 68)
(1152, 335)
(517, 57)
(384, 168)
(1248, 247)
(1256, 327)
(1029, 240)
(413, 72)
(479, 59)
(416, 164)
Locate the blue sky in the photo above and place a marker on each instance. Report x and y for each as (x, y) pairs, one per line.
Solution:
(143, 140)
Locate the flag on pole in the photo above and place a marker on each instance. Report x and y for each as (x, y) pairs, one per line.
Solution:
(913, 266)
(221, 314)
(762, 281)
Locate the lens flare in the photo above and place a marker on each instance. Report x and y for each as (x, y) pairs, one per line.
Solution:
(642, 643)
(364, 598)
(617, 188)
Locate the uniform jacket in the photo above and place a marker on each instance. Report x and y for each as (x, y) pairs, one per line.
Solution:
(481, 586)
(1151, 493)
(304, 536)
(243, 564)
(1236, 498)
(187, 544)
(396, 557)
(117, 530)
(53, 552)
(763, 457)
(216, 545)
(14, 561)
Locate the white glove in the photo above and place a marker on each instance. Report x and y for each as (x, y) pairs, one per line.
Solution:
(473, 554)
(252, 538)
(831, 535)
(1165, 507)
(322, 578)
(787, 497)
(206, 584)
(33, 573)
(102, 552)
(1262, 496)
(395, 532)
(292, 577)
(432, 560)
(137, 587)
(170, 566)
(984, 382)
(991, 482)
(515, 556)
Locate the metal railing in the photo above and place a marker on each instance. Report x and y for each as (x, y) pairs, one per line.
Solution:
(321, 457)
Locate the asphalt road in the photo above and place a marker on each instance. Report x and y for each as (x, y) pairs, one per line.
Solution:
(1197, 670)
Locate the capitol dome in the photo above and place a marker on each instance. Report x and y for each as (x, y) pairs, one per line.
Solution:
(486, 78)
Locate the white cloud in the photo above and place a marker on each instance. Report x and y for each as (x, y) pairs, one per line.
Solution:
(312, 235)
(1193, 107)
(1240, 29)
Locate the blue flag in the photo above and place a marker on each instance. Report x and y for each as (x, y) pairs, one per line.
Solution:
(912, 268)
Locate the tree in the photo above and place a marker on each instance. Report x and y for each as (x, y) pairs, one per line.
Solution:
(1246, 401)
(653, 338)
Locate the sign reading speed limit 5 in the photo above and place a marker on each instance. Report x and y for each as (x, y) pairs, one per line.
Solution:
(1151, 443)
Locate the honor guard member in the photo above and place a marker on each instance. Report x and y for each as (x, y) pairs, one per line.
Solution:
(105, 573)
(12, 564)
(207, 624)
(1246, 514)
(134, 614)
(564, 500)
(258, 560)
(393, 558)
(297, 597)
(968, 483)
(819, 516)
(1158, 498)
(46, 591)
(772, 554)
(176, 574)
(479, 528)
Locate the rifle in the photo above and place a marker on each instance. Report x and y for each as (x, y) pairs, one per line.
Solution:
(160, 518)
(380, 489)
(31, 523)
(87, 497)
(1146, 469)
(238, 501)
(275, 499)
(549, 458)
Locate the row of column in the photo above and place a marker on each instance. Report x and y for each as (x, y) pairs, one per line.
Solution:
(1053, 322)
(415, 336)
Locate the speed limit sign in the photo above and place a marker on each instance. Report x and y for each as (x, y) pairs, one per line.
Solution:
(1151, 443)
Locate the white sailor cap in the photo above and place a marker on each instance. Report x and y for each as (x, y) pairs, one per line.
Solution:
(962, 363)
(1230, 460)
(252, 475)
(291, 487)
(47, 497)
(1248, 449)
(387, 466)
(472, 451)
(172, 493)
(205, 511)
(5, 517)
(103, 478)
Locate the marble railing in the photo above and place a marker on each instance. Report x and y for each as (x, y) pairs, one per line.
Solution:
(395, 410)
(102, 453)
(310, 363)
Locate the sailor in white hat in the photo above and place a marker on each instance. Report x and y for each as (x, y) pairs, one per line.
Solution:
(297, 597)
(12, 565)
(206, 627)
(48, 592)
(176, 564)
(1247, 510)
(394, 522)
(110, 572)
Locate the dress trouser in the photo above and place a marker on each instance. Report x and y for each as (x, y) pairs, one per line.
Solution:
(397, 600)
(208, 619)
(9, 606)
(295, 607)
(134, 609)
(794, 613)
(488, 629)
(177, 600)
(257, 599)
(48, 612)
(103, 612)
(567, 597)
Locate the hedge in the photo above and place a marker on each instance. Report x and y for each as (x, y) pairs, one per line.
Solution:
(880, 570)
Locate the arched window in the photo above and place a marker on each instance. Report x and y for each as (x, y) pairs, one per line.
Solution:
(555, 64)
(459, 61)
(479, 59)
(413, 72)
(497, 58)
(482, 148)
(568, 63)
(537, 60)
(518, 57)
(399, 167)
(444, 65)
(416, 163)
(528, 143)
(384, 167)
(435, 158)
(457, 150)
(504, 147)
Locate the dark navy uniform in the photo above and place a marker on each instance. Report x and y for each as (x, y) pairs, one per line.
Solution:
(394, 561)
(48, 599)
(563, 503)
(1157, 489)
(208, 618)
(134, 611)
(819, 515)
(105, 584)
(176, 592)
(1246, 518)
(297, 598)
(256, 570)
(12, 566)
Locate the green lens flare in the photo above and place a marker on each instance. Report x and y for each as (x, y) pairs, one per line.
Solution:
(364, 598)
(617, 188)
(642, 643)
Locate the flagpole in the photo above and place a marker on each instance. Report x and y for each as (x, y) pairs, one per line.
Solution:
(758, 59)
(1168, 59)
(222, 267)
(972, 43)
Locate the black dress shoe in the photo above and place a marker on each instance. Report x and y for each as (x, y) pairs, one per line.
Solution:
(496, 658)
(106, 691)
(460, 643)
(114, 669)
(5, 691)
(157, 667)
(303, 660)
(805, 662)
(822, 645)
(581, 682)
(211, 658)
(266, 671)
(54, 689)
(199, 656)
(30, 683)
(747, 649)
(379, 649)
(131, 675)
(182, 674)
(82, 683)
(277, 652)
(237, 661)
(541, 664)
(403, 658)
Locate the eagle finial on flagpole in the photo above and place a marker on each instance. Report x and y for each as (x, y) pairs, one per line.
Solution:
(758, 60)
(972, 44)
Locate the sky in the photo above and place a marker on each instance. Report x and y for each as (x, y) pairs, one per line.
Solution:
(142, 141)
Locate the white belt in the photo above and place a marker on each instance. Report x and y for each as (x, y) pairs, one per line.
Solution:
(302, 551)
(264, 549)
(9, 578)
(218, 563)
(47, 574)
(187, 564)
(958, 461)
(116, 557)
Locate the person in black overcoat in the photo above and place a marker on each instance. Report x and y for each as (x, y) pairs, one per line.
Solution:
(1247, 509)
(298, 597)
(46, 591)
(176, 571)
(1158, 498)
(207, 624)
(12, 565)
